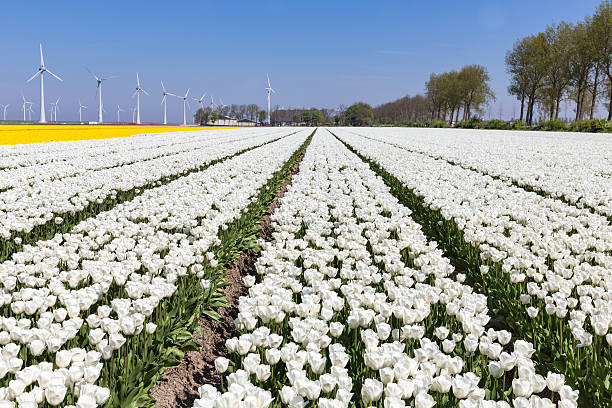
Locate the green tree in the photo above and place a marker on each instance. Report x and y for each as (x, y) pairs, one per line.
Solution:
(201, 116)
(581, 61)
(306, 117)
(262, 116)
(474, 88)
(214, 116)
(317, 117)
(359, 114)
(600, 36)
(557, 78)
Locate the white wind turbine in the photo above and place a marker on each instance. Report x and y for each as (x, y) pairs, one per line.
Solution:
(118, 113)
(54, 109)
(164, 102)
(269, 89)
(81, 107)
(24, 106)
(41, 73)
(222, 106)
(30, 110)
(99, 81)
(185, 105)
(133, 114)
(4, 109)
(137, 95)
(200, 101)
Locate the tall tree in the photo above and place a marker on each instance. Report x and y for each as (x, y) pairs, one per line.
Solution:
(557, 78)
(474, 88)
(581, 60)
(600, 38)
(359, 114)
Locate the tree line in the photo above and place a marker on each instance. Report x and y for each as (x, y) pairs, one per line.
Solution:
(450, 96)
(566, 60)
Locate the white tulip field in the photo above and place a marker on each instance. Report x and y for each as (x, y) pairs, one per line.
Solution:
(405, 267)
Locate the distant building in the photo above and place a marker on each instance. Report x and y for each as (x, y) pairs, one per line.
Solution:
(247, 122)
(225, 121)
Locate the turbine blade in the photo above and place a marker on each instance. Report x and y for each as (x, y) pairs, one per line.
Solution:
(42, 61)
(163, 99)
(145, 92)
(56, 77)
(34, 76)
(187, 93)
(137, 80)
(93, 75)
(110, 77)
(163, 88)
(135, 92)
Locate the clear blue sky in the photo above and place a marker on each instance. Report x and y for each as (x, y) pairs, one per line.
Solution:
(318, 53)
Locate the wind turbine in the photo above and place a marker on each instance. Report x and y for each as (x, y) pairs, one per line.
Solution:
(185, 105)
(24, 106)
(81, 107)
(222, 106)
(4, 109)
(41, 72)
(212, 103)
(137, 95)
(99, 81)
(54, 109)
(30, 110)
(164, 100)
(200, 101)
(118, 116)
(269, 89)
(133, 114)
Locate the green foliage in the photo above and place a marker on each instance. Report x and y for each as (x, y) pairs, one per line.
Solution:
(555, 125)
(214, 116)
(262, 115)
(472, 123)
(440, 124)
(591, 126)
(496, 124)
(359, 114)
(202, 115)
(519, 125)
(316, 117)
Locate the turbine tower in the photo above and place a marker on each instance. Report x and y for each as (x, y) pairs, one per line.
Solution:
(164, 101)
(185, 104)
(54, 109)
(137, 95)
(41, 73)
(269, 89)
(99, 81)
(81, 107)
(4, 109)
(118, 116)
(24, 106)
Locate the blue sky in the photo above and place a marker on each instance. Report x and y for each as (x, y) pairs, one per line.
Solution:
(318, 53)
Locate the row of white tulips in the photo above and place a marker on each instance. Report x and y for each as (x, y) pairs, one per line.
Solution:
(35, 203)
(113, 153)
(100, 284)
(571, 166)
(559, 256)
(352, 305)
(36, 154)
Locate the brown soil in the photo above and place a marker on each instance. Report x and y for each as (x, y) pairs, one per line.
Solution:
(178, 386)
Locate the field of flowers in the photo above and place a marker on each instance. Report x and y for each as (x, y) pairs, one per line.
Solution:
(19, 134)
(429, 268)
